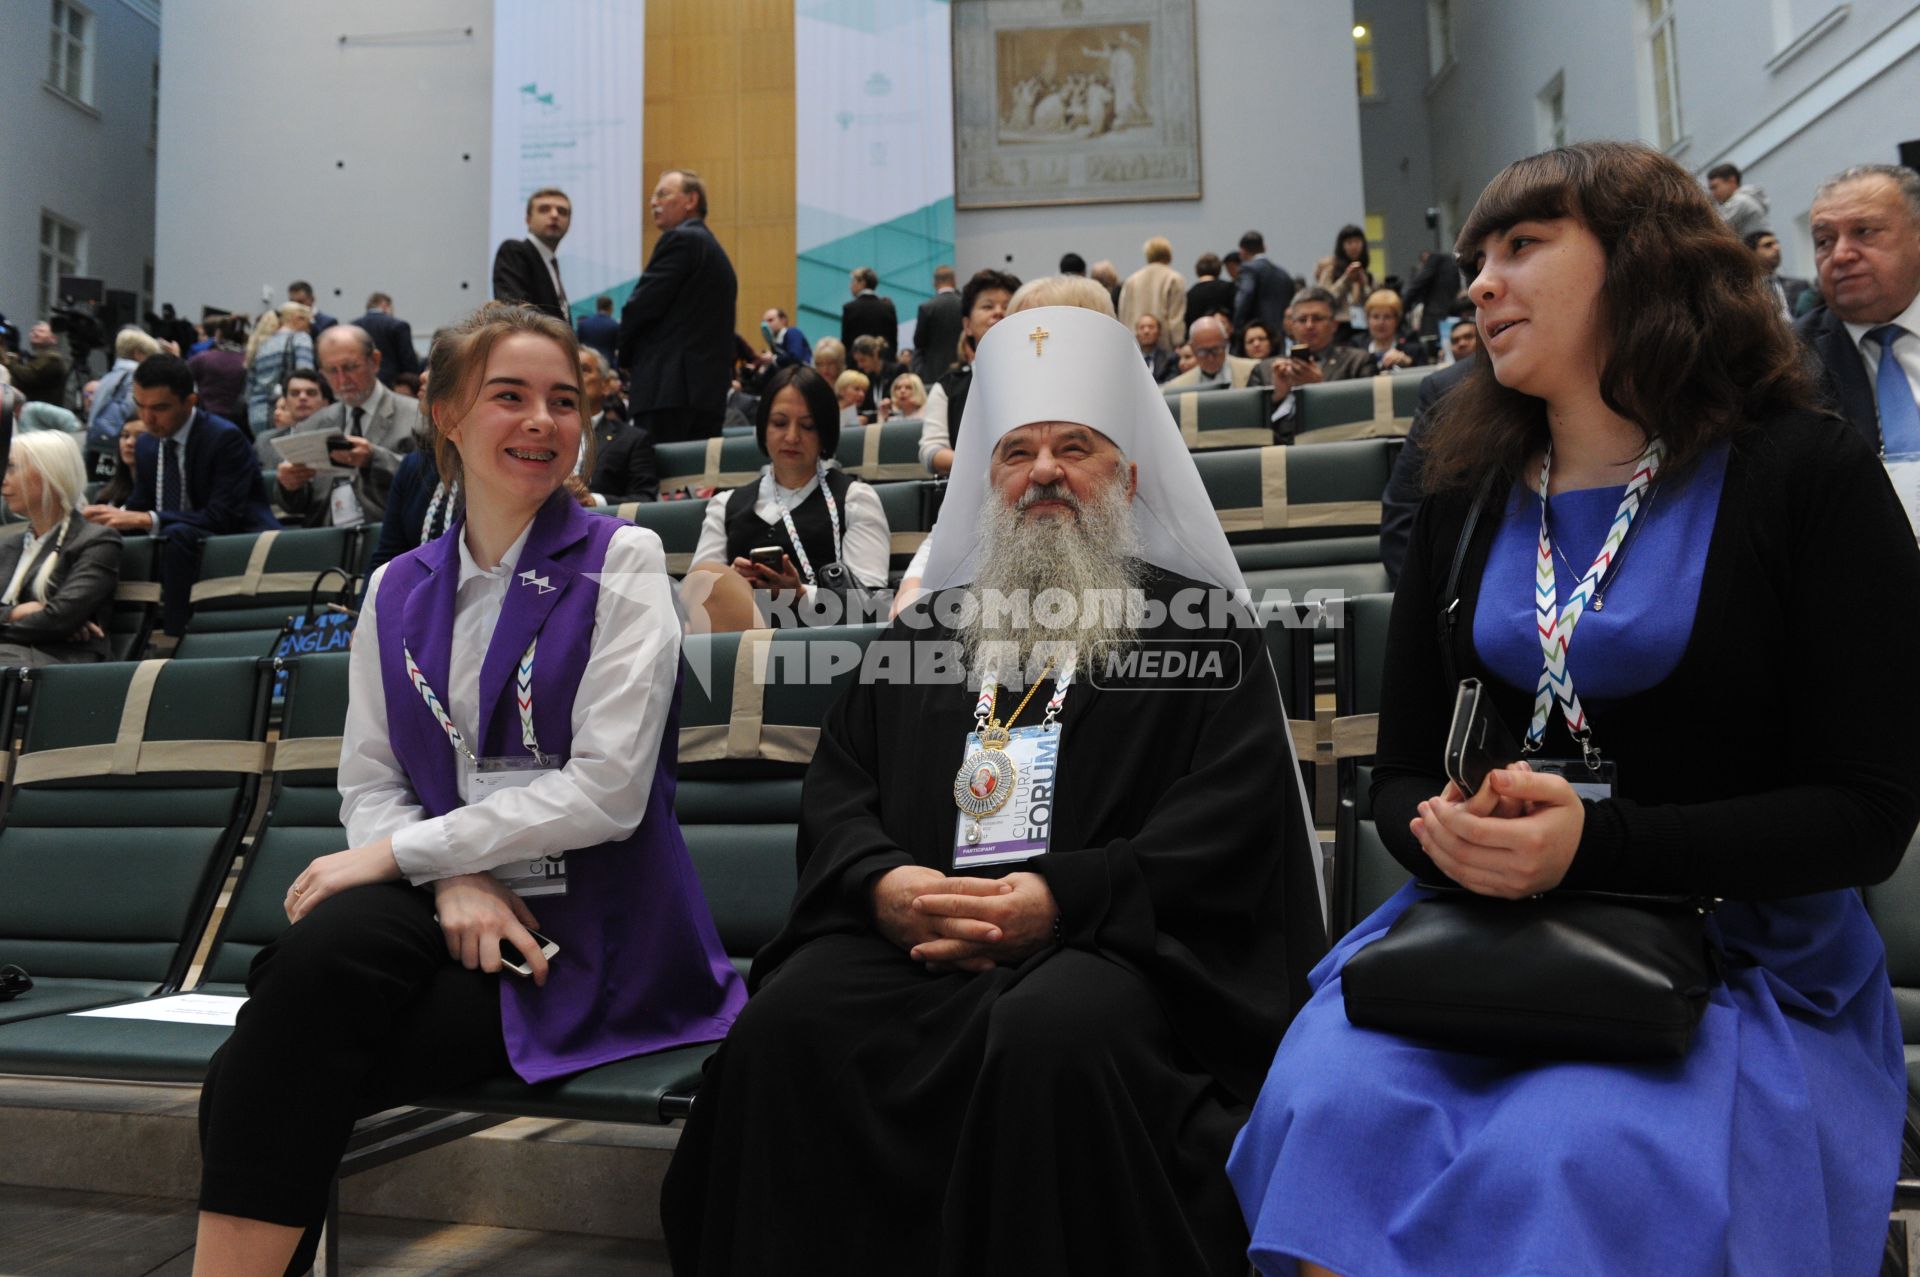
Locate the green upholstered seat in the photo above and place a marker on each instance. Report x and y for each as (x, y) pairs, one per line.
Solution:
(725, 462)
(112, 876)
(634, 1091)
(676, 523)
(243, 586)
(908, 506)
(1298, 494)
(252, 644)
(886, 453)
(1894, 906)
(119, 1050)
(1365, 872)
(136, 599)
(1213, 418)
(1364, 408)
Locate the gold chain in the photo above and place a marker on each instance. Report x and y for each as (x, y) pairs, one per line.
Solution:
(1008, 725)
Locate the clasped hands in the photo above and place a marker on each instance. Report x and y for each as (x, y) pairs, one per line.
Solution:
(964, 924)
(1514, 838)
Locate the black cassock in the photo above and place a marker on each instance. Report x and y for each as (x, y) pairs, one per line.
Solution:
(1069, 1115)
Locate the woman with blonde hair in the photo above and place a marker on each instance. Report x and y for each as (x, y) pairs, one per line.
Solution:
(908, 397)
(274, 354)
(60, 571)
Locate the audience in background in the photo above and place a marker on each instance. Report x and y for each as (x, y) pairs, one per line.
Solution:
(302, 292)
(1866, 244)
(1463, 341)
(1256, 341)
(600, 331)
(1744, 207)
(1213, 366)
(119, 484)
(408, 384)
(378, 426)
(113, 397)
(1153, 352)
(983, 303)
(851, 387)
(870, 357)
(936, 330)
(1785, 288)
(306, 393)
(1072, 264)
(617, 458)
(868, 314)
(786, 345)
(220, 371)
(1262, 289)
(676, 333)
(528, 270)
(1184, 358)
(393, 338)
(42, 375)
(195, 476)
(1103, 273)
(278, 347)
(1382, 342)
(908, 398)
(1435, 287)
(1156, 289)
(1209, 294)
(1312, 358)
(1344, 274)
(60, 571)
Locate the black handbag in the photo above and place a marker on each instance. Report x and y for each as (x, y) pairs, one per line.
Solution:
(1572, 975)
(1567, 975)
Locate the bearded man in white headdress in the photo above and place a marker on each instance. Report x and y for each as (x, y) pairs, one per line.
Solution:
(1054, 915)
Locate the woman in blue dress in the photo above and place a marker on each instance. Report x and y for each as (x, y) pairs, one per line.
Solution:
(1735, 560)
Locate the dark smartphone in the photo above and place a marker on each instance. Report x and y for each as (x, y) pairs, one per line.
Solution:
(767, 556)
(338, 443)
(1477, 741)
(516, 962)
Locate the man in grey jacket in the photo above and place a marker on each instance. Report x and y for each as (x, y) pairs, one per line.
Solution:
(378, 425)
(1744, 207)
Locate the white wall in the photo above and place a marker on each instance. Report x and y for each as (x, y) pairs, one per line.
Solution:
(1396, 159)
(1280, 153)
(287, 154)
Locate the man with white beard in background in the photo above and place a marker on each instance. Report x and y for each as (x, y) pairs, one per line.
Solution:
(1057, 904)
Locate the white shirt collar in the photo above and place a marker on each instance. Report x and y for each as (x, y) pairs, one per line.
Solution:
(772, 496)
(1208, 379)
(546, 254)
(181, 434)
(1908, 319)
(471, 570)
(371, 407)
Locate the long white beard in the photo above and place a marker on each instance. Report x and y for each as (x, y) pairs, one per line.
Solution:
(1053, 586)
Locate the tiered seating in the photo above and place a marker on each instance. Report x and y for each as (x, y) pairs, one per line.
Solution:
(136, 601)
(1366, 408)
(725, 462)
(1303, 519)
(250, 583)
(882, 454)
(1223, 418)
(676, 522)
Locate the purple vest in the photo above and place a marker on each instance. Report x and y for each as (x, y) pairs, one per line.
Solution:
(640, 966)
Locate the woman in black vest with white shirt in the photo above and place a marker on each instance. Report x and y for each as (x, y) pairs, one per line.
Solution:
(830, 529)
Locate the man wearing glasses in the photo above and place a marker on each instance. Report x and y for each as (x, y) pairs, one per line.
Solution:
(379, 428)
(1213, 366)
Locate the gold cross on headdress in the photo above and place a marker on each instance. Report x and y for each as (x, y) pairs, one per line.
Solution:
(1039, 339)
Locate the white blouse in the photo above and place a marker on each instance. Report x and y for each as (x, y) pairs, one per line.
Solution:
(866, 543)
(619, 713)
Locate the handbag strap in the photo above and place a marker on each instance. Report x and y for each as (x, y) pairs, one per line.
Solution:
(1450, 607)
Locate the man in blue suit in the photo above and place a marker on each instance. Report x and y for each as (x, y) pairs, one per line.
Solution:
(1264, 288)
(195, 476)
(600, 330)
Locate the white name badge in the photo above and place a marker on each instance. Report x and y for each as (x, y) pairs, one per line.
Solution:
(347, 511)
(1905, 472)
(1021, 828)
(546, 876)
(1594, 783)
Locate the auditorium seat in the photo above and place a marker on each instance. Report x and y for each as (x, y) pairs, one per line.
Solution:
(1364, 871)
(725, 462)
(677, 523)
(1222, 418)
(132, 790)
(136, 600)
(251, 582)
(1364, 408)
(1298, 494)
(882, 454)
(909, 517)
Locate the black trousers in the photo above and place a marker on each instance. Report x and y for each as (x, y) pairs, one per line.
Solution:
(354, 1009)
(180, 547)
(677, 425)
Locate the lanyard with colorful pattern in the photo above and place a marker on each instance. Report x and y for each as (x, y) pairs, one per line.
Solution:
(1556, 623)
(786, 514)
(523, 696)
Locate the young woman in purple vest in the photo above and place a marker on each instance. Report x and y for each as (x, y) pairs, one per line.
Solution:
(508, 766)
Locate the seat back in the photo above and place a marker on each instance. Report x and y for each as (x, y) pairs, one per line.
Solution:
(724, 462)
(1365, 408)
(1223, 418)
(885, 453)
(134, 786)
(1894, 906)
(908, 521)
(677, 523)
(303, 816)
(750, 715)
(251, 582)
(1364, 871)
(136, 599)
(1298, 494)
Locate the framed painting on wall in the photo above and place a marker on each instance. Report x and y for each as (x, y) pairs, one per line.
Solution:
(1074, 102)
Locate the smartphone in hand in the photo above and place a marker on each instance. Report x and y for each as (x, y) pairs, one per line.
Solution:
(513, 960)
(1477, 741)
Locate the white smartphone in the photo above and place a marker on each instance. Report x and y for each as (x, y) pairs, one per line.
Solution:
(515, 961)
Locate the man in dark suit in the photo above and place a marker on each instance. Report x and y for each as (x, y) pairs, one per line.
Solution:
(936, 331)
(1210, 294)
(1866, 245)
(1434, 288)
(527, 270)
(195, 476)
(869, 314)
(393, 338)
(301, 291)
(621, 466)
(1786, 289)
(600, 330)
(1314, 358)
(1401, 501)
(1263, 290)
(676, 333)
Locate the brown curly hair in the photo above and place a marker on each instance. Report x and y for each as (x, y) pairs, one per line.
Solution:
(1696, 347)
(458, 358)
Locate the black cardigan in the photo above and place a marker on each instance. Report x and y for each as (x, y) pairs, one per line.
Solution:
(1781, 757)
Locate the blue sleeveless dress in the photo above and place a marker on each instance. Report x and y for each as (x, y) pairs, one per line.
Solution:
(1771, 1148)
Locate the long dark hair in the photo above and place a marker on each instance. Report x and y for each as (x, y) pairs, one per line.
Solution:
(817, 392)
(1696, 349)
(1340, 258)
